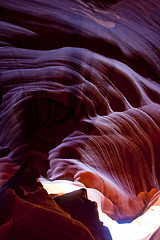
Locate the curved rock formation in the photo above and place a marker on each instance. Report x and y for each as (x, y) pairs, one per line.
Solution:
(80, 95)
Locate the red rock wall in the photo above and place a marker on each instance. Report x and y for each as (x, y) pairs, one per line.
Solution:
(80, 90)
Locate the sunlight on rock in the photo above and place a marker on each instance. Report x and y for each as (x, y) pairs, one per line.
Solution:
(60, 187)
(141, 228)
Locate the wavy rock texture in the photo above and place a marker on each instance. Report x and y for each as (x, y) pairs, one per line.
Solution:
(80, 99)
